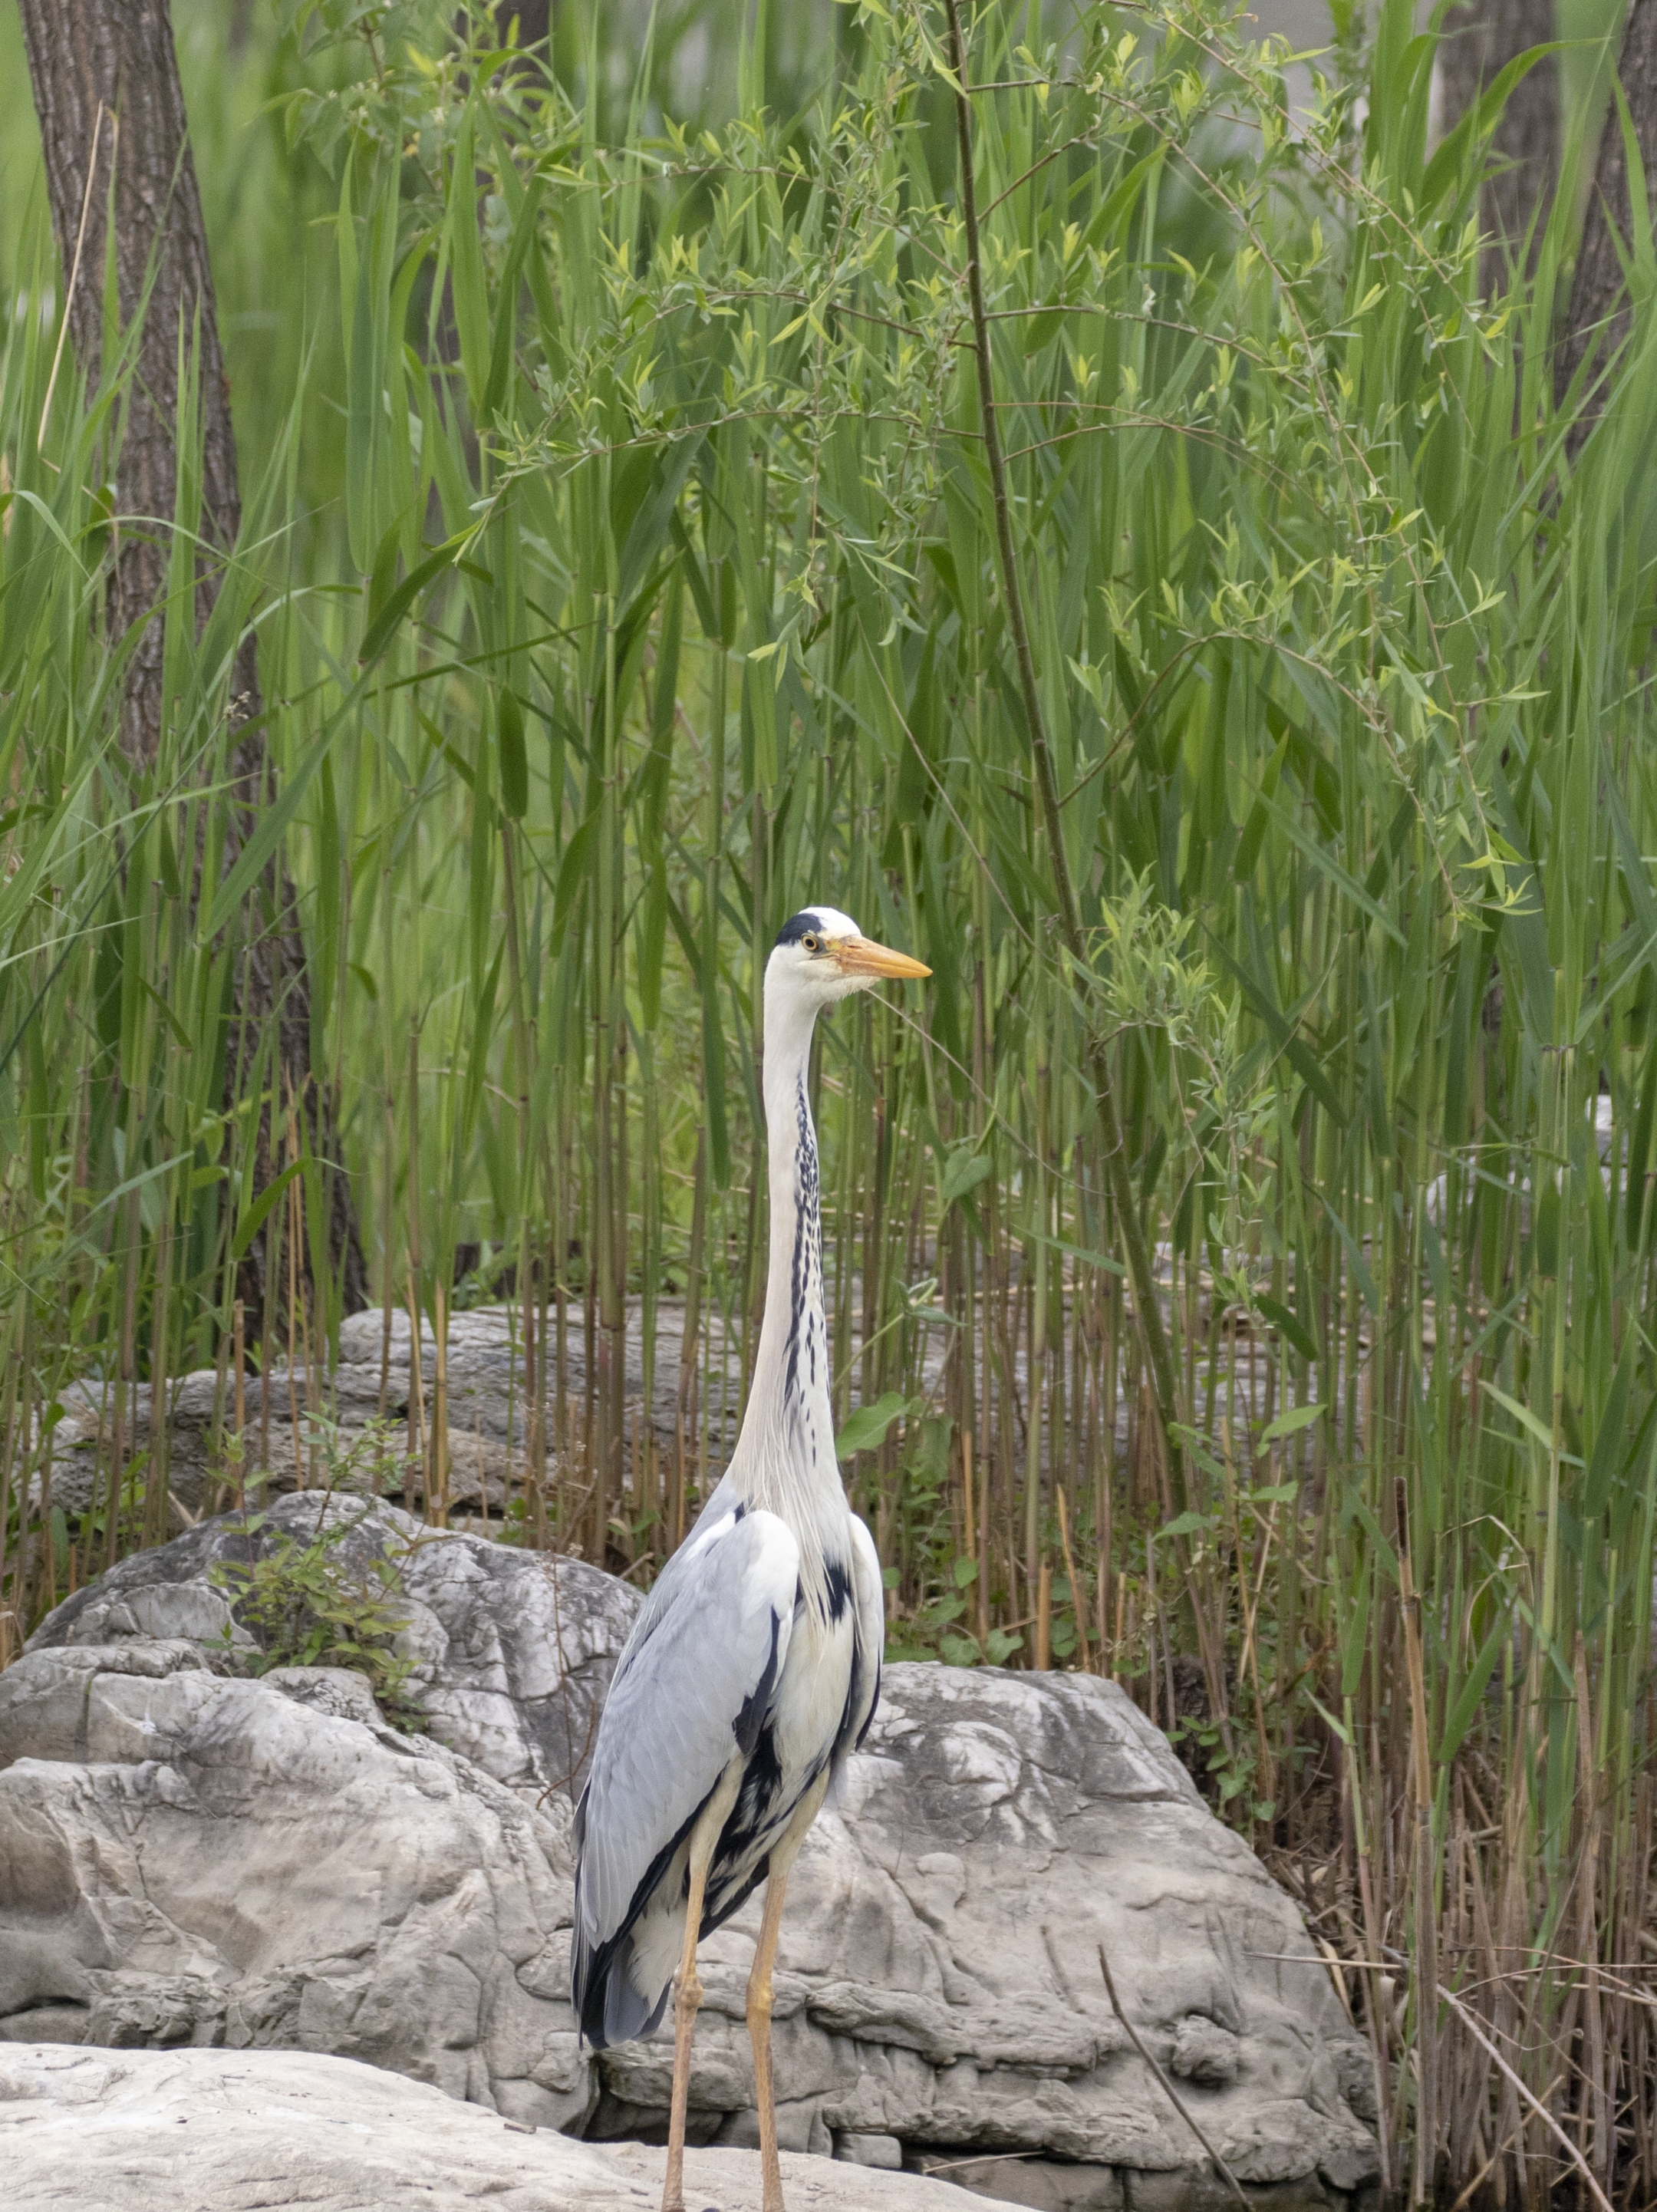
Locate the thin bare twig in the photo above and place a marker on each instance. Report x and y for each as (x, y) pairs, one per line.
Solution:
(74, 278)
(1173, 2094)
(1540, 2110)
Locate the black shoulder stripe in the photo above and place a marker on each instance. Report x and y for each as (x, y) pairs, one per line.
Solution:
(840, 1588)
(751, 1719)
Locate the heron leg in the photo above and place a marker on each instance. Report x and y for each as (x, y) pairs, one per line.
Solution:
(784, 1852)
(686, 2001)
(688, 1997)
(759, 2030)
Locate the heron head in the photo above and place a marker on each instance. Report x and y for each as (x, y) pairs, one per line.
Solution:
(821, 955)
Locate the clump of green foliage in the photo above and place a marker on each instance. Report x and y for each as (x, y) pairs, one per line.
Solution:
(307, 1605)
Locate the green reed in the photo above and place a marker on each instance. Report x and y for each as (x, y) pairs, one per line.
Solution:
(655, 591)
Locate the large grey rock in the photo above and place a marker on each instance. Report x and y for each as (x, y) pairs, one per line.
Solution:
(192, 1856)
(513, 1650)
(218, 2131)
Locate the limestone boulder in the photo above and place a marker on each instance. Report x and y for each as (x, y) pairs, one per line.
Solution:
(192, 1856)
(200, 2130)
(512, 1650)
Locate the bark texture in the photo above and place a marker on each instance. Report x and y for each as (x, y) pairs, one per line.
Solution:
(105, 71)
(1597, 316)
(1481, 38)
(105, 76)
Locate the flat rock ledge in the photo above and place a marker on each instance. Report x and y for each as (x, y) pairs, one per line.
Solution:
(192, 1856)
(221, 2132)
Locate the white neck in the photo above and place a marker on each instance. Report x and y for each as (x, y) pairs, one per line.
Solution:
(783, 1459)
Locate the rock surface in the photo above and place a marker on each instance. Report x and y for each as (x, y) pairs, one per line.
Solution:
(513, 1650)
(192, 1856)
(216, 2131)
(352, 1426)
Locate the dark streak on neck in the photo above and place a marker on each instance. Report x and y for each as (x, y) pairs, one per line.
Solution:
(807, 1243)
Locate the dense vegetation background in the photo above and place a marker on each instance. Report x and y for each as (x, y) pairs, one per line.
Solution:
(622, 550)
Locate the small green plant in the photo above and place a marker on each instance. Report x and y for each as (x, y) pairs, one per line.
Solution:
(1228, 1774)
(305, 1605)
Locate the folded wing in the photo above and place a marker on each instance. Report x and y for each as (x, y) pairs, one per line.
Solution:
(689, 1695)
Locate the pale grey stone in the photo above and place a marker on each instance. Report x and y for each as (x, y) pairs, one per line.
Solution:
(218, 2131)
(328, 1429)
(885, 2153)
(513, 1650)
(1204, 2053)
(199, 1857)
(1204, 2191)
(799, 2127)
(203, 1859)
(1047, 2184)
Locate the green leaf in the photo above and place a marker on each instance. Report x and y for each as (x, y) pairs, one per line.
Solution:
(1366, 1281)
(1289, 1326)
(1611, 1437)
(1289, 1424)
(379, 634)
(866, 1429)
(506, 312)
(1275, 1493)
(1340, 1728)
(466, 252)
(251, 1223)
(514, 759)
(1078, 1252)
(1522, 1415)
(270, 830)
(963, 1170)
(1185, 1524)
(1477, 123)
(1458, 1720)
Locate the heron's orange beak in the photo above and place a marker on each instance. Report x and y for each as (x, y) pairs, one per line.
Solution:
(861, 956)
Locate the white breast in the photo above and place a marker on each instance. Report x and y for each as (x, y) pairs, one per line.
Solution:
(811, 1700)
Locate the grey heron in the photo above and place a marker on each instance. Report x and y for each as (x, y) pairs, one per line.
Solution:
(753, 1666)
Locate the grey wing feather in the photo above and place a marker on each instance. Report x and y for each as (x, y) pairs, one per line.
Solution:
(869, 1610)
(701, 1660)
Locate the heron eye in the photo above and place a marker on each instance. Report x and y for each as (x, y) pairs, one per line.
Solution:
(808, 944)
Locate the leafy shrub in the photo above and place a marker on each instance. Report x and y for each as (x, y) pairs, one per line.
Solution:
(305, 1604)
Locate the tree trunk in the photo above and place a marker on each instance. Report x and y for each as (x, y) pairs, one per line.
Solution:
(1599, 313)
(1481, 38)
(105, 77)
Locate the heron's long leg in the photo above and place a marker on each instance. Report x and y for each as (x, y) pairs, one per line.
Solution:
(685, 2003)
(759, 2029)
(703, 1837)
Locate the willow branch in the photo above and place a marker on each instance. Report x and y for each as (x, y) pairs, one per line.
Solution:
(1147, 1311)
